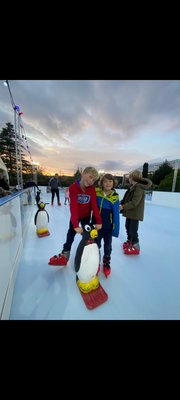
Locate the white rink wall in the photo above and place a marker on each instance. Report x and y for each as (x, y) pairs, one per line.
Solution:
(15, 214)
(167, 199)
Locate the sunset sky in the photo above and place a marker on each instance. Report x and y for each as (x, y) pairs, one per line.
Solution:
(113, 125)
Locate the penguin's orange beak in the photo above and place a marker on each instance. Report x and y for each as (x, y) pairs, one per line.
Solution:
(94, 233)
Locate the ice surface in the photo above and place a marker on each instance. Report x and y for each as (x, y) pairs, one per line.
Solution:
(146, 286)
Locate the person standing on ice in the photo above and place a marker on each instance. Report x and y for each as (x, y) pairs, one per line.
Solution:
(54, 184)
(66, 196)
(4, 185)
(132, 207)
(108, 203)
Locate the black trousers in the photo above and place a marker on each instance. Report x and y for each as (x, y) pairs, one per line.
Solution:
(72, 233)
(53, 191)
(131, 226)
(106, 235)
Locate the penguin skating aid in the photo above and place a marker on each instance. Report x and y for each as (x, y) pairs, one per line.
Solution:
(41, 220)
(87, 261)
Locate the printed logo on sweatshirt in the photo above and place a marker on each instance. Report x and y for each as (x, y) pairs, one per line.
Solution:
(83, 198)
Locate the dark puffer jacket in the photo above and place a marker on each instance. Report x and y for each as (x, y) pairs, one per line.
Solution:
(134, 199)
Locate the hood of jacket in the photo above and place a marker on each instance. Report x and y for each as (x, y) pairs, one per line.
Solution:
(143, 183)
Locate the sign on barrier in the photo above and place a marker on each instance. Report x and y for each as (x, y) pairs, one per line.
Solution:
(148, 195)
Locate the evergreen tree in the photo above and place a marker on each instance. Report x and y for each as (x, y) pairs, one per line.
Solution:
(161, 172)
(7, 148)
(8, 152)
(77, 174)
(145, 170)
(166, 183)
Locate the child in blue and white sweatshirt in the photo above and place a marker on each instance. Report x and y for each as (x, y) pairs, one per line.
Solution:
(108, 204)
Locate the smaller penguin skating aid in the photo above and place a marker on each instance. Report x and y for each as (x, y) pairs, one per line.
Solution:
(41, 220)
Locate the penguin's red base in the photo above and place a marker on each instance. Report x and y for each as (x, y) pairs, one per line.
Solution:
(43, 234)
(94, 298)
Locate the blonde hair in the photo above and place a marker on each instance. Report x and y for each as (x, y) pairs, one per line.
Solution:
(135, 175)
(109, 177)
(93, 171)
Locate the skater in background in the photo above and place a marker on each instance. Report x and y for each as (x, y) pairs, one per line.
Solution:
(29, 184)
(54, 184)
(132, 207)
(37, 191)
(38, 197)
(108, 204)
(66, 198)
(4, 186)
(82, 204)
(3, 181)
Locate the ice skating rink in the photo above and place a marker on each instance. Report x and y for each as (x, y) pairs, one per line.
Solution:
(143, 287)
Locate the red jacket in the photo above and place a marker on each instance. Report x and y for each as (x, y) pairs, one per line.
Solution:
(82, 203)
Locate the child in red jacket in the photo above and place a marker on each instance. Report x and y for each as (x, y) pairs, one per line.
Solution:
(82, 204)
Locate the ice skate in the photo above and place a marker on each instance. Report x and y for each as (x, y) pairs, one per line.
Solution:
(60, 259)
(106, 266)
(126, 244)
(132, 250)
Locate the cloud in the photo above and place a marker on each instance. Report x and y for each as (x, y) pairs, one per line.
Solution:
(112, 124)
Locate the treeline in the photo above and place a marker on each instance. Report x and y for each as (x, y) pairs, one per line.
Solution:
(162, 178)
(8, 154)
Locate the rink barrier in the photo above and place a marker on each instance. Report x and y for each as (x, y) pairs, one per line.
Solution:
(15, 214)
(166, 199)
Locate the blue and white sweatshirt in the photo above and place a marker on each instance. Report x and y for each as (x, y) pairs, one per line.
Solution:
(109, 210)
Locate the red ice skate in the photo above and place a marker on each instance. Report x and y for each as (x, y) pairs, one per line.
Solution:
(106, 271)
(58, 260)
(126, 244)
(106, 266)
(132, 250)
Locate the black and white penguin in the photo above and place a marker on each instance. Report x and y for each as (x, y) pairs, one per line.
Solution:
(87, 260)
(41, 220)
